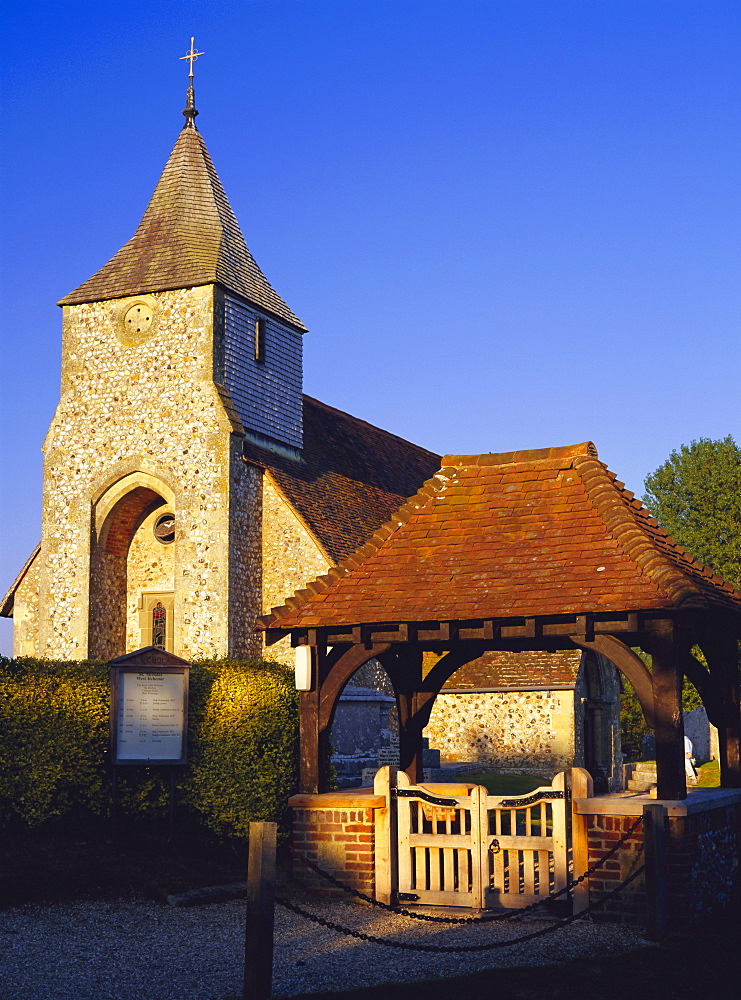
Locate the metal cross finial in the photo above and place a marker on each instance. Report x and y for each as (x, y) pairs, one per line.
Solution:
(190, 104)
(192, 56)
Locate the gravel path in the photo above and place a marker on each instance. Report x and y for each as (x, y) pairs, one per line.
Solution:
(97, 951)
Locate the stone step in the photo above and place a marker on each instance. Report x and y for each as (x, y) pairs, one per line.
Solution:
(644, 771)
(643, 776)
(640, 786)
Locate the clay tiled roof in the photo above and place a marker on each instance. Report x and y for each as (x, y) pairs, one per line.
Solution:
(506, 671)
(188, 236)
(350, 479)
(525, 533)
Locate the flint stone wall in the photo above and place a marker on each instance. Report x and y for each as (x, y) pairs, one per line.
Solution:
(530, 732)
(26, 612)
(291, 558)
(151, 406)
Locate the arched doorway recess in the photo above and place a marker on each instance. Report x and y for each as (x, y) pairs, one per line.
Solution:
(132, 568)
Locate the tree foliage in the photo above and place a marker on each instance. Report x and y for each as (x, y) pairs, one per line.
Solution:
(696, 496)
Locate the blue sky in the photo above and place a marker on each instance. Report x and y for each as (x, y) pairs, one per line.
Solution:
(507, 224)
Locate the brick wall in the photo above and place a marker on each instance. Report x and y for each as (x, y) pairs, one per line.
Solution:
(703, 865)
(629, 906)
(336, 831)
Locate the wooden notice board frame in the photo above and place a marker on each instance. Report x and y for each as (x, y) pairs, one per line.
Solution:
(149, 678)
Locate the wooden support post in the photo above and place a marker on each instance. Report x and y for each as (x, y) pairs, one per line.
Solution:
(729, 735)
(722, 653)
(580, 786)
(411, 752)
(410, 738)
(258, 952)
(667, 691)
(309, 763)
(115, 807)
(405, 671)
(655, 850)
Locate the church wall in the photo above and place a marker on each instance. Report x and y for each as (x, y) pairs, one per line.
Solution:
(290, 558)
(149, 405)
(245, 569)
(266, 394)
(26, 612)
(107, 617)
(527, 731)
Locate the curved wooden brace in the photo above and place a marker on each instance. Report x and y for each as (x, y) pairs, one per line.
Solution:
(339, 674)
(415, 697)
(629, 664)
(707, 687)
(447, 665)
(442, 671)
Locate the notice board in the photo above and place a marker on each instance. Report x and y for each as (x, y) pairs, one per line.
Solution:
(149, 708)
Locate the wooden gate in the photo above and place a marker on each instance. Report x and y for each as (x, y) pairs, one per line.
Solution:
(460, 846)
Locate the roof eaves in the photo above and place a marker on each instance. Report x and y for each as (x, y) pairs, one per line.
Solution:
(6, 608)
(617, 509)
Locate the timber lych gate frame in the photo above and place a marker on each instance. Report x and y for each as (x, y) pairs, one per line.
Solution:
(512, 534)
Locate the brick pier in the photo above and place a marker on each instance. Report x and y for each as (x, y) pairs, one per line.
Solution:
(336, 830)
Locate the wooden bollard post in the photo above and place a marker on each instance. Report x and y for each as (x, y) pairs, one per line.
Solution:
(654, 845)
(258, 952)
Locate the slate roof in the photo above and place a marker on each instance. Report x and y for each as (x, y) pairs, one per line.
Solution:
(350, 479)
(188, 236)
(522, 533)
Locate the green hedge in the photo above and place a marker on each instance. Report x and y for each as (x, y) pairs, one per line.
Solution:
(54, 745)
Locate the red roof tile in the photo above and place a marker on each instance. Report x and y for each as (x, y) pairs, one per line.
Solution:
(526, 533)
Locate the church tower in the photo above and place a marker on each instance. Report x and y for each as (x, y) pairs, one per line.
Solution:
(176, 355)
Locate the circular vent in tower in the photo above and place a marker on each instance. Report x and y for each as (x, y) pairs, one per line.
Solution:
(138, 318)
(164, 528)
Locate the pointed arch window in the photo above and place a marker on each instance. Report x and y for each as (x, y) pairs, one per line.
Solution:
(159, 625)
(156, 619)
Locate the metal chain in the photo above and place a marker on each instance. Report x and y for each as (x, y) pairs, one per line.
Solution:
(362, 936)
(487, 917)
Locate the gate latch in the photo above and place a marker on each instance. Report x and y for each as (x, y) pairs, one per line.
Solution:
(494, 847)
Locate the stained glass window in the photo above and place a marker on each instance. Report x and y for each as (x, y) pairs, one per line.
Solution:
(159, 625)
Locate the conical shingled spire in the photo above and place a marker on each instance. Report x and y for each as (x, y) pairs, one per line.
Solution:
(188, 236)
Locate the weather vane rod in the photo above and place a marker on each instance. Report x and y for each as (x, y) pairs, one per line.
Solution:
(190, 107)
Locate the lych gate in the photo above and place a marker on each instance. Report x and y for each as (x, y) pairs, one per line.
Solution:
(519, 552)
(527, 551)
(458, 846)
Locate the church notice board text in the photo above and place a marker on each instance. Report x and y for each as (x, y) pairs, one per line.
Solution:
(149, 712)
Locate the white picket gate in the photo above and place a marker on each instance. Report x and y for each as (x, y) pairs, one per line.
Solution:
(459, 846)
